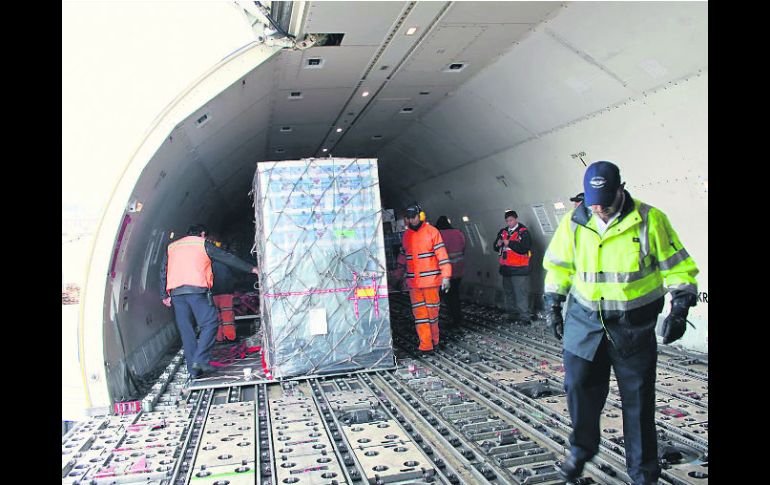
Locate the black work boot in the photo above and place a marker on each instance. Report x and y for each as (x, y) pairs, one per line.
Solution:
(204, 368)
(571, 469)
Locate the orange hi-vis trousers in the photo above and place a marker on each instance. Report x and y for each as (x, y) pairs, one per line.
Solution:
(425, 307)
(224, 304)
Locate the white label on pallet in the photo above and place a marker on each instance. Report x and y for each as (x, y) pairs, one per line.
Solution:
(317, 318)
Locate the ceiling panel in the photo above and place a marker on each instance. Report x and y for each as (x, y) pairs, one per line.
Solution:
(435, 150)
(307, 134)
(499, 12)
(494, 41)
(442, 47)
(249, 151)
(542, 95)
(363, 23)
(634, 40)
(242, 127)
(481, 129)
(384, 109)
(316, 106)
(340, 66)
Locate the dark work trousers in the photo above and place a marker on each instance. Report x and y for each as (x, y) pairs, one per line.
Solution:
(452, 301)
(516, 291)
(195, 308)
(587, 384)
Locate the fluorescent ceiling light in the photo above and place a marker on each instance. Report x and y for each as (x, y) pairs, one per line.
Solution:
(411, 31)
(365, 94)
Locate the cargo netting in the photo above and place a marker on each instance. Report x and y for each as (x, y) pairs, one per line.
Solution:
(323, 275)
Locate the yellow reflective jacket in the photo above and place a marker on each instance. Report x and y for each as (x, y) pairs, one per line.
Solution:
(634, 263)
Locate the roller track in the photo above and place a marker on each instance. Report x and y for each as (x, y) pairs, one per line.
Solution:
(487, 408)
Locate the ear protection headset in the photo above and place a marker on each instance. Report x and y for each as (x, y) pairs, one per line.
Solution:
(419, 208)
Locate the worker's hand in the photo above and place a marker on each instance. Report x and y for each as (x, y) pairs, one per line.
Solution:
(255, 270)
(445, 285)
(675, 323)
(673, 328)
(505, 242)
(167, 301)
(555, 321)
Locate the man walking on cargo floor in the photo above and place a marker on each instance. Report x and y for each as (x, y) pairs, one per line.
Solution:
(427, 269)
(186, 279)
(619, 257)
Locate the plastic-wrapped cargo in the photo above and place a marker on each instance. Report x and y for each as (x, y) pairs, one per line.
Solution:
(323, 286)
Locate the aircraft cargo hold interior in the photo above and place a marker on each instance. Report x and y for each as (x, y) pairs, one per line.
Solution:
(471, 109)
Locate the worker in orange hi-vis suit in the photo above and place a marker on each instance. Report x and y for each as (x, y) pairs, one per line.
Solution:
(427, 269)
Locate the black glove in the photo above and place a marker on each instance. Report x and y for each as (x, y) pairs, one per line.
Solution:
(553, 313)
(675, 323)
(555, 321)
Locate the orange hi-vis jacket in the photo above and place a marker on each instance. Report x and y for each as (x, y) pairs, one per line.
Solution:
(427, 261)
(189, 264)
(509, 257)
(455, 247)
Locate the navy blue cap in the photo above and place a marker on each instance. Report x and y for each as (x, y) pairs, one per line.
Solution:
(601, 183)
(413, 210)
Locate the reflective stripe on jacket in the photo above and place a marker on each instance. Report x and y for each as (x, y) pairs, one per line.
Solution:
(427, 261)
(638, 259)
(455, 246)
(188, 264)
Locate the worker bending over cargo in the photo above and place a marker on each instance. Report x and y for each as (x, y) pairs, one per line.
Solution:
(186, 279)
(619, 257)
(455, 246)
(427, 269)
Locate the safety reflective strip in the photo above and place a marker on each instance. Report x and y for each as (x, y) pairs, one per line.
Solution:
(611, 277)
(609, 305)
(444, 261)
(688, 287)
(422, 303)
(425, 255)
(556, 261)
(677, 258)
(422, 320)
(553, 288)
(439, 245)
(573, 226)
(429, 273)
(644, 237)
(433, 305)
(187, 243)
(455, 255)
(434, 320)
(409, 257)
(410, 275)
